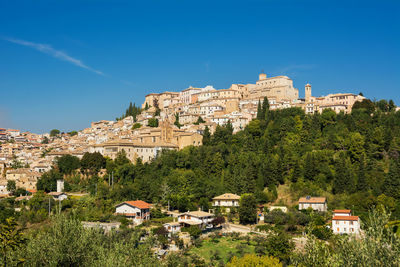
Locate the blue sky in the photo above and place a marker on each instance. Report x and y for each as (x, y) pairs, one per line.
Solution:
(64, 64)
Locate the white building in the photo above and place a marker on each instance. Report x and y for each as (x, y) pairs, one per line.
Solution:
(226, 200)
(199, 218)
(138, 211)
(173, 227)
(316, 203)
(344, 223)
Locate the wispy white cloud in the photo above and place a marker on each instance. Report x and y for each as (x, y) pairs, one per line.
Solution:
(49, 50)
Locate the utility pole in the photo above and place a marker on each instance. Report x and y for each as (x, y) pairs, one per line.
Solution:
(49, 207)
(109, 180)
(112, 175)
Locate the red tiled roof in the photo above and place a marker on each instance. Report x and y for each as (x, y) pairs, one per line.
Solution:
(345, 218)
(138, 203)
(342, 211)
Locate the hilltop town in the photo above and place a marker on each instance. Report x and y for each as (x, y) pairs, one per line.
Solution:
(168, 120)
(252, 169)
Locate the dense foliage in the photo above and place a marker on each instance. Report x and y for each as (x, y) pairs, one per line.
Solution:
(132, 110)
(351, 158)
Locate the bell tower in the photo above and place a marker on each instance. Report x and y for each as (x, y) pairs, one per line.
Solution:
(262, 76)
(308, 93)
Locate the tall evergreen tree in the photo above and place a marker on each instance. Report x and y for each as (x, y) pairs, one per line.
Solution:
(260, 114)
(343, 181)
(206, 136)
(361, 179)
(265, 108)
(391, 186)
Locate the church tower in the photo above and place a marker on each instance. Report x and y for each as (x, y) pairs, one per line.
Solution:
(262, 76)
(308, 93)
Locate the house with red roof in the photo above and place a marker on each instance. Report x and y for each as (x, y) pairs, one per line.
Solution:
(138, 211)
(344, 223)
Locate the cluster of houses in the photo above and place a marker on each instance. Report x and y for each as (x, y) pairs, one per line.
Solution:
(139, 211)
(238, 104)
(196, 108)
(342, 220)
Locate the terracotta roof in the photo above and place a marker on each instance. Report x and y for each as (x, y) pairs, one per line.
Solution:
(345, 218)
(227, 196)
(312, 200)
(137, 203)
(342, 211)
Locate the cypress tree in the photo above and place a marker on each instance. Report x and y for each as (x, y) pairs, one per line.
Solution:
(206, 136)
(260, 114)
(265, 108)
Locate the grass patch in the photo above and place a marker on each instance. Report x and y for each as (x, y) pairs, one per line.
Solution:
(226, 247)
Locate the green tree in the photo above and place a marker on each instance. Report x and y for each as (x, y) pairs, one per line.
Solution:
(92, 163)
(391, 185)
(265, 108)
(343, 181)
(11, 186)
(199, 120)
(194, 231)
(206, 136)
(11, 239)
(45, 140)
(67, 164)
(136, 126)
(48, 181)
(176, 123)
(54, 132)
(260, 112)
(247, 209)
(73, 133)
(153, 122)
(279, 245)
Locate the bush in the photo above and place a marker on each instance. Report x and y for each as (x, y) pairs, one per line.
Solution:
(276, 217)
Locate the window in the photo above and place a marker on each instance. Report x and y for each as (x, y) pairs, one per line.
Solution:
(352, 229)
(337, 222)
(351, 223)
(344, 229)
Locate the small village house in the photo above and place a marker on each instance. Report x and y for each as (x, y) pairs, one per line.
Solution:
(344, 223)
(226, 200)
(173, 227)
(199, 218)
(316, 203)
(138, 211)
